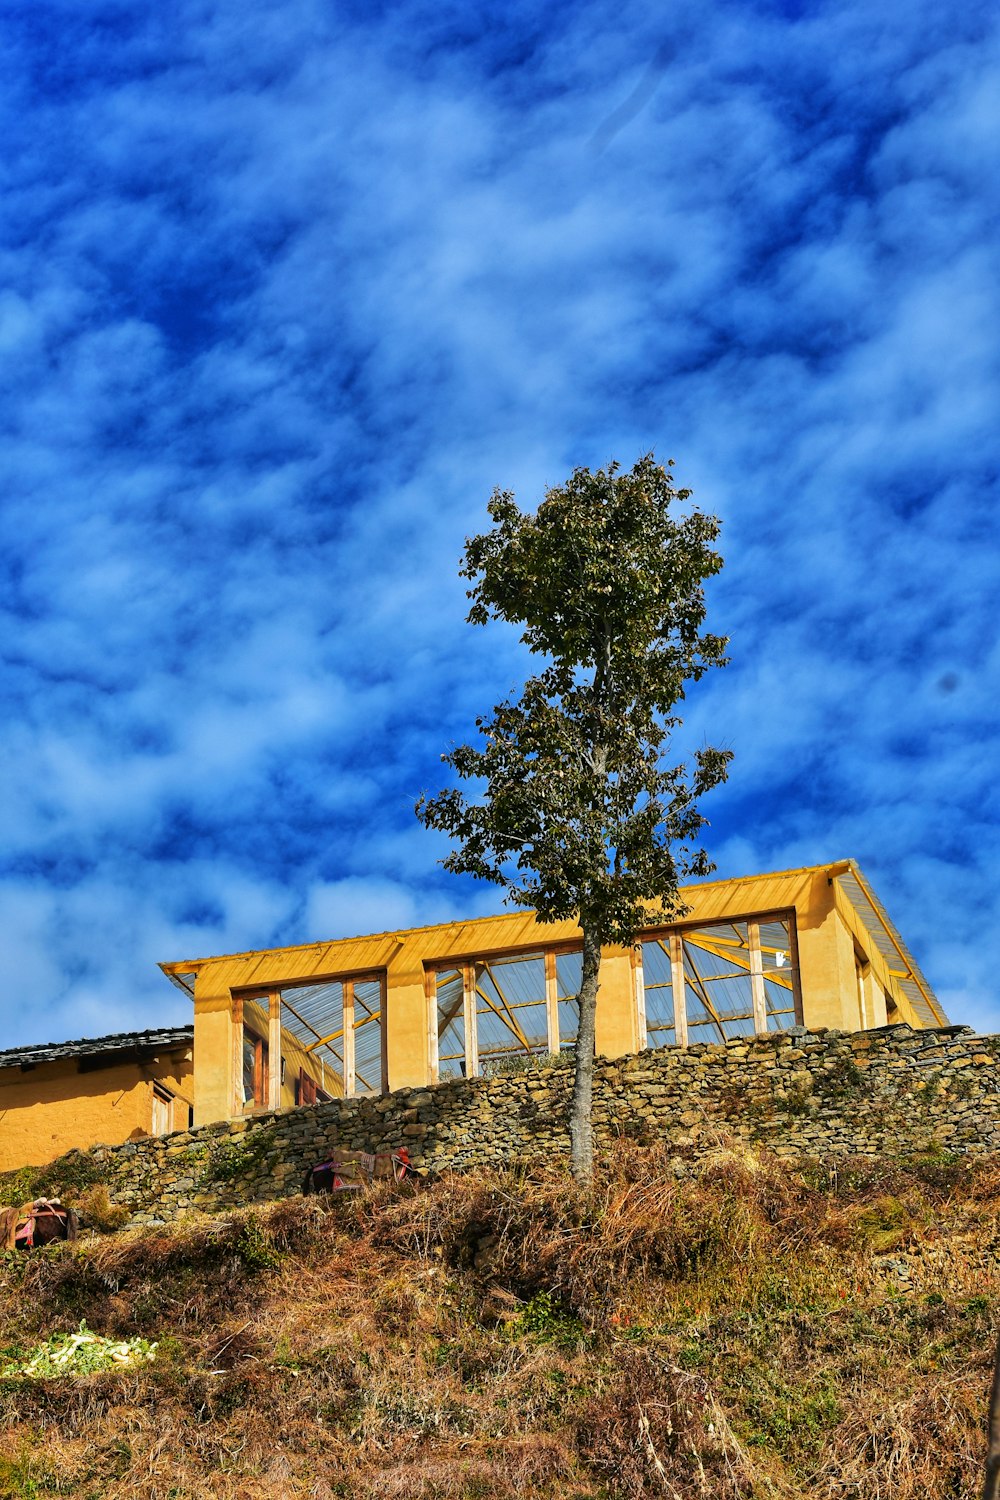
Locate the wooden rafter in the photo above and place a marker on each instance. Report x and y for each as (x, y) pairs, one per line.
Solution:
(324, 1041)
(509, 1020)
(301, 1019)
(446, 1017)
(699, 984)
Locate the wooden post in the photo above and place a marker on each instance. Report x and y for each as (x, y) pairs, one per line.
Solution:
(469, 1003)
(677, 989)
(433, 1048)
(639, 981)
(348, 1035)
(552, 1001)
(757, 980)
(793, 959)
(274, 1050)
(237, 1042)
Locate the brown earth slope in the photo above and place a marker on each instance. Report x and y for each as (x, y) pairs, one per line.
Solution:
(750, 1330)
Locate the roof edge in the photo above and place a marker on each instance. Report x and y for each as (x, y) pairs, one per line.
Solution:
(174, 969)
(117, 1041)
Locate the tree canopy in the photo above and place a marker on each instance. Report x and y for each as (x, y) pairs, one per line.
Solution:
(579, 816)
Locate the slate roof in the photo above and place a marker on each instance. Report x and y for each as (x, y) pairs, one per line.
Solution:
(91, 1046)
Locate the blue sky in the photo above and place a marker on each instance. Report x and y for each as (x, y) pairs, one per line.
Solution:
(286, 290)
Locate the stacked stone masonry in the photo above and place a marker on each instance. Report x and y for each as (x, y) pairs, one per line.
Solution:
(803, 1094)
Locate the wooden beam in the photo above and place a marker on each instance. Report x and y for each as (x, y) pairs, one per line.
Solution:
(552, 1000)
(274, 1050)
(431, 1001)
(237, 1054)
(639, 992)
(757, 991)
(349, 1078)
(676, 954)
(471, 1032)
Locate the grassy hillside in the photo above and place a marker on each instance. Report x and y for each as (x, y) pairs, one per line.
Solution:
(750, 1331)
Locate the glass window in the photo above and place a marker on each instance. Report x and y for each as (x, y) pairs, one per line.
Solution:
(255, 1070)
(332, 1031)
(367, 1036)
(521, 1005)
(249, 1065)
(717, 988)
(511, 1014)
(450, 985)
(722, 964)
(569, 974)
(313, 1016)
(781, 980)
(657, 982)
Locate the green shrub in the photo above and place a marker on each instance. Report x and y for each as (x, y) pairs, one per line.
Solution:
(65, 1178)
(230, 1160)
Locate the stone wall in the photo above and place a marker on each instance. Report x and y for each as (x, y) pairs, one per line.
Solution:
(801, 1093)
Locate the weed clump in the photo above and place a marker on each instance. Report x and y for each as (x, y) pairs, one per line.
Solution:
(234, 1161)
(96, 1210)
(67, 1178)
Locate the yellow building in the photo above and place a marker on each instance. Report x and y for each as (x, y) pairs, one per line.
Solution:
(287, 1026)
(109, 1089)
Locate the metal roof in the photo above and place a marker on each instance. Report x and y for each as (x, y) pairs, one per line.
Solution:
(121, 1041)
(885, 937)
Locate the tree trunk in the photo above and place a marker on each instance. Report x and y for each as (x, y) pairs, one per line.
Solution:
(581, 1126)
(991, 1488)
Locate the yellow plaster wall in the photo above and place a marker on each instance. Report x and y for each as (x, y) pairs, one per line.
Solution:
(215, 1079)
(53, 1108)
(826, 957)
(616, 1022)
(407, 1039)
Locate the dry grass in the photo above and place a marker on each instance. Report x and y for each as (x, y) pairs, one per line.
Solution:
(748, 1332)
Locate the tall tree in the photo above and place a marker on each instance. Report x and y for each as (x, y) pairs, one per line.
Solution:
(580, 816)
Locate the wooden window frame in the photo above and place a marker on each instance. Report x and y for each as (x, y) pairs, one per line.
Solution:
(162, 1095)
(466, 966)
(261, 1070)
(673, 936)
(271, 996)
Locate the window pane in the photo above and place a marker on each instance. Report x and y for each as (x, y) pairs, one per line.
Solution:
(451, 1023)
(780, 978)
(249, 1065)
(775, 947)
(511, 1017)
(658, 991)
(569, 972)
(717, 986)
(723, 948)
(367, 1036)
(312, 1028)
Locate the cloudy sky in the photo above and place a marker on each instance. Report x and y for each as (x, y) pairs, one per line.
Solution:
(285, 290)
